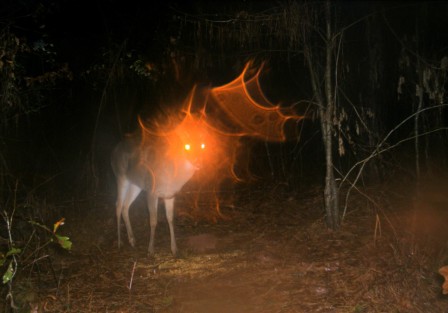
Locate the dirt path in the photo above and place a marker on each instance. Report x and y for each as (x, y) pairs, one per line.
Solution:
(262, 261)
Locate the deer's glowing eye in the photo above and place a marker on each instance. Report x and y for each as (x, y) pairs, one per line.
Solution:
(187, 147)
(202, 146)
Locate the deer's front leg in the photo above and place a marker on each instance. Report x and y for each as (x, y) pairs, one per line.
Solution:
(169, 207)
(152, 207)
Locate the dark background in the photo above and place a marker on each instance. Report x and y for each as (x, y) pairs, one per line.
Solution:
(57, 142)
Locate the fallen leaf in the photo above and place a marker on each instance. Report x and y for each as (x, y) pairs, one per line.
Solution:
(444, 272)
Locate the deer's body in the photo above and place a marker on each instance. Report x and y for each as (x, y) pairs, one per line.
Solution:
(159, 169)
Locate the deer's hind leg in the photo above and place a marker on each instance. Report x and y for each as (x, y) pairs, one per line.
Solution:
(130, 194)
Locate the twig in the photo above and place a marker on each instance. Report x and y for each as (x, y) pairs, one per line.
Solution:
(379, 150)
(132, 276)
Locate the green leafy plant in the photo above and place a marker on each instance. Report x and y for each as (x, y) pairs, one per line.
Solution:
(12, 259)
(13, 252)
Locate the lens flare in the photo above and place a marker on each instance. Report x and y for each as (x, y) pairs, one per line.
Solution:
(243, 102)
(208, 131)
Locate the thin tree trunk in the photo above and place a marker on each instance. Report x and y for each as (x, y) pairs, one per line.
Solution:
(326, 112)
(420, 71)
(416, 125)
(330, 192)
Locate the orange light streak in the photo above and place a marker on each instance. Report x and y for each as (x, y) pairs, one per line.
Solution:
(245, 104)
(208, 134)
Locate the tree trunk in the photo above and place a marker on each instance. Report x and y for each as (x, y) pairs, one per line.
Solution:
(330, 192)
(326, 113)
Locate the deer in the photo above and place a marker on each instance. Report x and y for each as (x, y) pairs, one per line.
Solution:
(159, 163)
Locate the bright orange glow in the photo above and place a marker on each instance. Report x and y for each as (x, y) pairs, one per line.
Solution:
(245, 104)
(209, 133)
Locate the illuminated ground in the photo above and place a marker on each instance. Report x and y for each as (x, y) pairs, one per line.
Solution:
(273, 254)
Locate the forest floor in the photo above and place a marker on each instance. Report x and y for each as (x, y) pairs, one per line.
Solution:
(271, 253)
